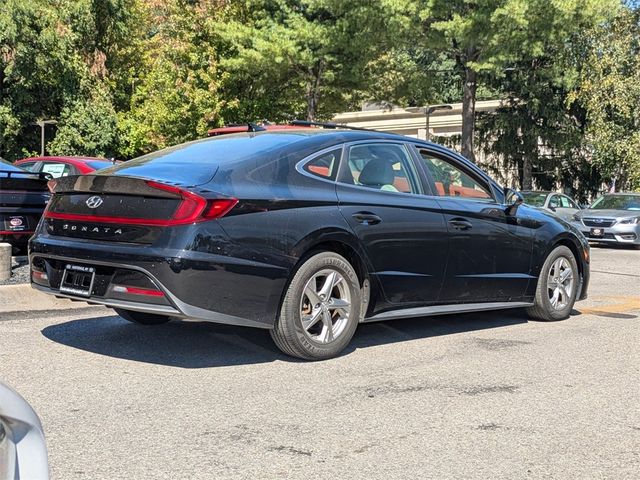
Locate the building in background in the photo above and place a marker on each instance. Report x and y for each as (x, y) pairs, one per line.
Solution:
(412, 121)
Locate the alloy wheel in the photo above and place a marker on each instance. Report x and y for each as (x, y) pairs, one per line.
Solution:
(560, 283)
(325, 306)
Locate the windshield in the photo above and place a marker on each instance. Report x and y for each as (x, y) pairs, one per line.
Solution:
(535, 198)
(617, 202)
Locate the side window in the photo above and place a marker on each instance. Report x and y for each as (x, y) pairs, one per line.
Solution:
(381, 166)
(554, 202)
(325, 165)
(450, 181)
(31, 166)
(57, 170)
(567, 202)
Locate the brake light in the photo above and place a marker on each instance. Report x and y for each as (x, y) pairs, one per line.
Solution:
(191, 209)
(219, 208)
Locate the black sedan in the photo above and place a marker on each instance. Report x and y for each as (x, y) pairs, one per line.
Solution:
(306, 233)
(23, 197)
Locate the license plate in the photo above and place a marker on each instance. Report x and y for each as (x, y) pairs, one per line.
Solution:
(597, 232)
(15, 223)
(78, 280)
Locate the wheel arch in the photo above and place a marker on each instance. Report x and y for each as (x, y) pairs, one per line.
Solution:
(343, 243)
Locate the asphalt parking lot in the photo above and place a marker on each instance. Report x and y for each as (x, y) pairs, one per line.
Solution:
(487, 395)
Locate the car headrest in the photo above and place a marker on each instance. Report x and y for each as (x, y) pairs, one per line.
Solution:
(377, 172)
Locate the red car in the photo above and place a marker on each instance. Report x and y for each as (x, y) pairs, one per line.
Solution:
(64, 166)
(252, 127)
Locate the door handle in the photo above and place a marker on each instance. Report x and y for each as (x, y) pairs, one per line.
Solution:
(366, 218)
(460, 224)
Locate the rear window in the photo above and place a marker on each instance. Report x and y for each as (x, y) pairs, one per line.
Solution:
(99, 164)
(196, 163)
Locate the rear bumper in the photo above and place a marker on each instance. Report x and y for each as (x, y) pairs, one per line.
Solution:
(195, 285)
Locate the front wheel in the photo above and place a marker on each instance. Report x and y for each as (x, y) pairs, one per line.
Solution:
(557, 286)
(321, 309)
(141, 317)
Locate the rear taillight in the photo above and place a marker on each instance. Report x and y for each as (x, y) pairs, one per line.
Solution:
(191, 209)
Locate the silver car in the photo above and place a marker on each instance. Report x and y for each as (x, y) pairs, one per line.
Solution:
(562, 205)
(614, 218)
(23, 451)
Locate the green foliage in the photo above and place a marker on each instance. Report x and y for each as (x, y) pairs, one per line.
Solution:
(609, 88)
(175, 98)
(87, 127)
(297, 58)
(125, 77)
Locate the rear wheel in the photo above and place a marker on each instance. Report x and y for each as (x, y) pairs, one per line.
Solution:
(141, 317)
(321, 309)
(557, 286)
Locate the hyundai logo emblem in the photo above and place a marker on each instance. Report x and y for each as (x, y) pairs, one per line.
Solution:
(94, 202)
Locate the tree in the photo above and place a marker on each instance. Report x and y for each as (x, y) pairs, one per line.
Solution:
(175, 97)
(288, 58)
(609, 88)
(485, 37)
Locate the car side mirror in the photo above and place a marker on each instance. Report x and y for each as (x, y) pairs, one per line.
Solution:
(513, 199)
(552, 208)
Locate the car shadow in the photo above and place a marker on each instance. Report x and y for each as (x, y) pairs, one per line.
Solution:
(205, 345)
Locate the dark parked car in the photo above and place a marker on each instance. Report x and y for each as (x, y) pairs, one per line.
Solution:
(64, 166)
(23, 196)
(304, 232)
(562, 205)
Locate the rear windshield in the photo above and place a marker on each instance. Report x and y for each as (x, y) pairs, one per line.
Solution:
(99, 164)
(196, 162)
(535, 199)
(617, 202)
(4, 165)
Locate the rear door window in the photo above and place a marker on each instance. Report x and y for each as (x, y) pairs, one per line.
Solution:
(382, 166)
(324, 165)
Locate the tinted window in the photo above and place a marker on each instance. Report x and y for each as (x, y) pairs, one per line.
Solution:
(382, 166)
(554, 201)
(325, 165)
(4, 165)
(31, 166)
(617, 202)
(566, 202)
(99, 164)
(197, 162)
(451, 181)
(534, 198)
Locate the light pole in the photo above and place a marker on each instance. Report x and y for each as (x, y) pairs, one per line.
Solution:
(429, 110)
(42, 124)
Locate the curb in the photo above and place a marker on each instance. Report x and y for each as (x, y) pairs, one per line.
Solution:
(23, 298)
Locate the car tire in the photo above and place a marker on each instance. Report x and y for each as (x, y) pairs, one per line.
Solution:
(557, 286)
(142, 318)
(321, 308)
